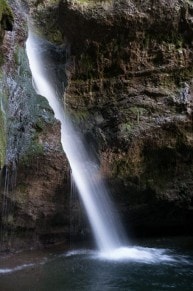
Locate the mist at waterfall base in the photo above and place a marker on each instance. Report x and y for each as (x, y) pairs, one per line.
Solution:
(109, 235)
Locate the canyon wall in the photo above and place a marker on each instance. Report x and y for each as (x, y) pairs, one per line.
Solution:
(130, 92)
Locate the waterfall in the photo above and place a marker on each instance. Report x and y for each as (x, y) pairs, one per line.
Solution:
(102, 216)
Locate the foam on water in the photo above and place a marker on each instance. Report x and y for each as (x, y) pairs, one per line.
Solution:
(17, 268)
(80, 252)
(133, 254)
(137, 254)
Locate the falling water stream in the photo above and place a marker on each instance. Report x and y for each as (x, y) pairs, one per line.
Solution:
(108, 232)
(102, 216)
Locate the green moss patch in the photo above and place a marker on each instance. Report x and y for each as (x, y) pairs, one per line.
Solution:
(6, 15)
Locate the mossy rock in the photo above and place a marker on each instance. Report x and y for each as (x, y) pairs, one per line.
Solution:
(6, 22)
(35, 149)
(6, 16)
(2, 139)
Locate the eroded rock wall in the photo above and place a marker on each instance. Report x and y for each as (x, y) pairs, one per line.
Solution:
(34, 199)
(6, 24)
(131, 92)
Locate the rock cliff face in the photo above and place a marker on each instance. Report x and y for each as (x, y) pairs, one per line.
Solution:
(6, 23)
(130, 90)
(34, 184)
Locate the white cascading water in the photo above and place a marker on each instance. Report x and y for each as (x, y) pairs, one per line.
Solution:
(104, 222)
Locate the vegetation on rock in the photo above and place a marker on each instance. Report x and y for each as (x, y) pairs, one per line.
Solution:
(6, 18)
(6, 21)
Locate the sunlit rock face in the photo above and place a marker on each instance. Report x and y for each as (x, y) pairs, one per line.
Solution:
(130, 90)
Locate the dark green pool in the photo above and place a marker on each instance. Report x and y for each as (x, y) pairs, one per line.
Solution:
(159, 264)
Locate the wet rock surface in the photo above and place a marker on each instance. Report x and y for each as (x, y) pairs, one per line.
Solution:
(34, 179)
(130, 91)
